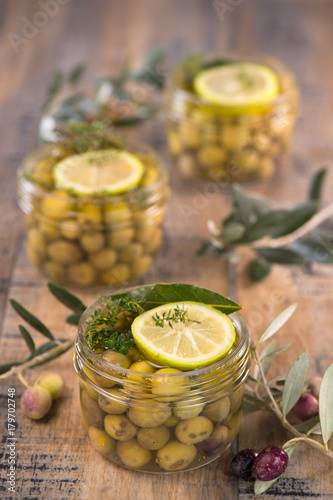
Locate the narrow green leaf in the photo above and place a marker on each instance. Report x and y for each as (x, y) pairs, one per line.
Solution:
(262, 486)
(67, 298)
(295, 219)
(31, 319)
(259, 403)
(277, 323)
(248, 407)
(28, 339)
(232, 231)
(242, 206)
(317, 185)
(294, 384)
(47, 347)
(259, 269)
(209, 250)
(306, 425)
(76, 72)
(7, 366)
(265, 361)
(281, 255)
(277, 351)
(314, 250)
(265, 225)
(73, 319)
(326, 404)
(260, 205)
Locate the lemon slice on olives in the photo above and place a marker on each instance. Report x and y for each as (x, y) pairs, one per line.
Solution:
(196, 335)
(237, 86)
(103, 172)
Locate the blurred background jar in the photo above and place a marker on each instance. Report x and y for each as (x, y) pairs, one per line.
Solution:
(88, 241)
(227, 144)
(160, 421)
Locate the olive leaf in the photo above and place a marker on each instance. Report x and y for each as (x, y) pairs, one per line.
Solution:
(295, 218)
(28, 339)
(31, 319)
(314, 250)
(73, 319)
(262, 486)
(76, 73)
(295, 381)
(281, 255)
(317, 184)
(265, 359)
(307, 425)
(259, 269)
(275, 352)
(67, 298)
(277, 323)
(265, 225)
(326, 404)
(7, 366)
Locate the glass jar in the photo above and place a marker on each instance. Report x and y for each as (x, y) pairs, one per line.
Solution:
(90, 241)
(208, 141)
(161, 422)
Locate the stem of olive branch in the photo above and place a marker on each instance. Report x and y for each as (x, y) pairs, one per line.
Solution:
(15, 370)
(311, 224)
(277, 412)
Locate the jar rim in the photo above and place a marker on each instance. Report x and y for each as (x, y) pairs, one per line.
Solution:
(97, 361)
(274, 63)
(30, 187)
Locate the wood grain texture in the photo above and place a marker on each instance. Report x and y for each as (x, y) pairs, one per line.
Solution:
(55, 460)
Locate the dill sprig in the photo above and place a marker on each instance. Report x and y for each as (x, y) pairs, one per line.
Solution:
(175, 315)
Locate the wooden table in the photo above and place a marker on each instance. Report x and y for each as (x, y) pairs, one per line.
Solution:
(54, 458)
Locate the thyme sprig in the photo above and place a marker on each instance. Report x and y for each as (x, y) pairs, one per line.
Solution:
(282, 236)
(173, 316)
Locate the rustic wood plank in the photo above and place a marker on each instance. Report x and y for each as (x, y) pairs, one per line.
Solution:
(54, 458)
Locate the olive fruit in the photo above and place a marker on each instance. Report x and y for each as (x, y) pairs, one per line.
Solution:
(91, 410)
(101, 441)
(306, 407)
(216, 442)
(119, 427)
(194, 430)
(52, 382)
(241, 464)
(82, 274)
(176, 456)
(188, 408)
(269, 464)
(218, 410)
(132, 454)
(149, 413)
(115, 404)
(64, 252)
(36, 402)
(153, 438)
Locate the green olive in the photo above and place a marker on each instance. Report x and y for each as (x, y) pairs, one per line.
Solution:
(131, 253)
(134, 354)
(188, 408)
(54, 271)
(132, 454)
(154, 243)
(119, 427)
(117, 215)
(89, 216)
(149, 413)
(33, 254)
(141, 265)
(188, 165)
(168, 386)
(194, 430)
(116, 404)
(174, 142)
(189, 135)
(100, 440)
(153, 438)
(216, 442)
(145, 232)
(141, 366)
(64, 252)
(116, 358)
(248, 159)
(92, 242)
(235, 137)
(70, 229)
(120, 273)
(212, 155)
(91, 410)
(56, 205)
(120, 238)
(176, 456)
(218, 410)
(82, 274)
(104, 259)
(49, 229)
(36, 241)
(172, 421)
(236, 399)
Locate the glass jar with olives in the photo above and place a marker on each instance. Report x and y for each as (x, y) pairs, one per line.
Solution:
(93, 218)
(153, 418)
(230, 119)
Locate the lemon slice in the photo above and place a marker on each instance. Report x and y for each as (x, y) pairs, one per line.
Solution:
(108, 171)
(205, 336)
(237, 85)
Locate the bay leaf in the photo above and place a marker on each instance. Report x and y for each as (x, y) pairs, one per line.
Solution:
(277, 323)
(295, 381)
(326, 404)
(163, 293)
